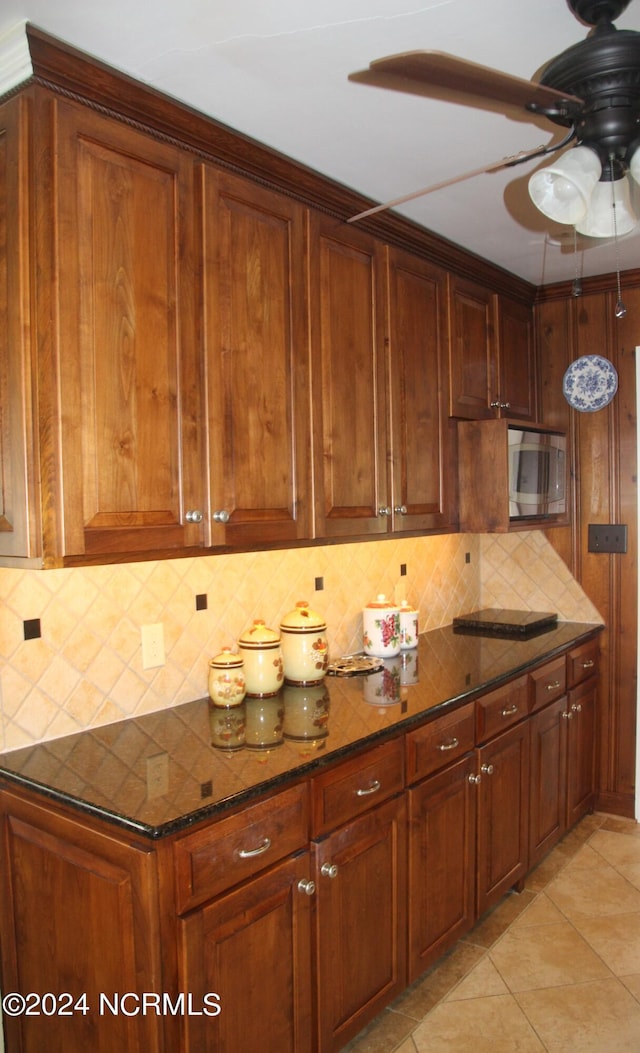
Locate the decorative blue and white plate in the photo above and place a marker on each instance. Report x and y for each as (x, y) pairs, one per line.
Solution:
(590, 383)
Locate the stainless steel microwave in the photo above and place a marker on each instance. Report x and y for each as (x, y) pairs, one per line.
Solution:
(537, 473)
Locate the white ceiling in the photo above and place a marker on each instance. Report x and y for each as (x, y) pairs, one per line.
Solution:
(277, 70)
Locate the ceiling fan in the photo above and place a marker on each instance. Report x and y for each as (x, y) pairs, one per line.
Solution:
(592, 89)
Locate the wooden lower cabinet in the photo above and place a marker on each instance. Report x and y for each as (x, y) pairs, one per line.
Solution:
(79, 918)
(360, 933)
(548, 788)
(581, 743)
(251, 947)
(442, 862)
(503, 797)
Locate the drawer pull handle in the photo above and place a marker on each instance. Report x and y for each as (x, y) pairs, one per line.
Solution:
(449, 745)
(250, 853)
(589, 664)
(509, 711)
(329, 870)
(307, 886)
(552, 687)
(375, 786)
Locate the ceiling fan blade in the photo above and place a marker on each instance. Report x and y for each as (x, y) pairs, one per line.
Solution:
(506, 162)
(429, 72)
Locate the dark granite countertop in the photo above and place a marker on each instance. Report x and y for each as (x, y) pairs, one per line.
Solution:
(107, 771)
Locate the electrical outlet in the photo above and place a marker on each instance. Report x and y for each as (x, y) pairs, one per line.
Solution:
(152, 645)
(607, 537)
(157, 775)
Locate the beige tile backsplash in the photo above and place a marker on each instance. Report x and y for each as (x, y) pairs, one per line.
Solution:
(86, 668)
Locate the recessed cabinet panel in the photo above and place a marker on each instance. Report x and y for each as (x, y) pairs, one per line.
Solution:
(19, 520)
(256, 351)
(472, 357)
(125, 336)
(348, 394)
(518, 373)
(418, 384)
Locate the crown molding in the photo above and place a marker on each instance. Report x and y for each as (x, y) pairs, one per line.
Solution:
(15, 59)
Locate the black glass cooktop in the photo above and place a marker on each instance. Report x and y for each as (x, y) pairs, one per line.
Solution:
(494, 621)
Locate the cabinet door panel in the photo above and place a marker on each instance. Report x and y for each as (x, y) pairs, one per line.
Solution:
(442, 832)
(419, 390)
(581, 750)
(348, 391)
(518, 373)
(502, 814)
(128, 387)
(252, 948)
(19, 521)
(547, 803)
(361, 922)
(256, 348)
(472, 355)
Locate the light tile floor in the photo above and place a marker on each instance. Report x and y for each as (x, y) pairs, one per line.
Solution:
(555, 968)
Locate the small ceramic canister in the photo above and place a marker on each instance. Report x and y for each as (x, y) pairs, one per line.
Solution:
(304, 645)
(381, 628)
(262, 657)
(227, 685)
(408, 626)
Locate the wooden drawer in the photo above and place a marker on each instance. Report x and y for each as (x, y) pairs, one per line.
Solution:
(501, 708)
(548, 683)
(583, 662)
(219, 856)
(344, 792)
(441, 742)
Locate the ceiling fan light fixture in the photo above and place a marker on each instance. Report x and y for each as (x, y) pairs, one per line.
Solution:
(600, 220)
(634, 165)
(562, 190)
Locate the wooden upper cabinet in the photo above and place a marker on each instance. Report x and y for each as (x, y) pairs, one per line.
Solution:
(19, 518)
(348, 397)
(518, 379)
(492, 358)
(418, 386)
(126, 361)
(256, 357)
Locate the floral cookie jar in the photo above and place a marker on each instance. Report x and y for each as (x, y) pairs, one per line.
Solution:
(262, 658)
(408, 626)
(227, 685)
(381, 628)
(304, 645)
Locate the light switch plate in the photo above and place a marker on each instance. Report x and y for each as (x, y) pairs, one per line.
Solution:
(607, 537)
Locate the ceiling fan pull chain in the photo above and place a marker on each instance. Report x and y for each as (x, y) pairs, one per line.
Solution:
(620, 309)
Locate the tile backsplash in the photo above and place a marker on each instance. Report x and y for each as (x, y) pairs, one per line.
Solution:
(86, 667)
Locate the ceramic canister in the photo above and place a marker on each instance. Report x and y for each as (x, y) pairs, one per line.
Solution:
(262, 658)
(408, 626)
(304, 645)
(381, 628)
(227, 685)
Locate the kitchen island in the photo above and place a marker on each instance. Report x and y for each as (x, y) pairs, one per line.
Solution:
(139, 857)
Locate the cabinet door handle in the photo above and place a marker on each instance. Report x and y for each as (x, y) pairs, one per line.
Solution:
(400, 510)
(487, 769)
(553, 686)
(589, 664)
(307, 886)
(567, 716)
(249, 853)
(329, 870)
(384, 510)
(576, 707)
(194, 515)
(221, 516)
(375, 786)
(449, 745)
(508, 711)
(475, 779)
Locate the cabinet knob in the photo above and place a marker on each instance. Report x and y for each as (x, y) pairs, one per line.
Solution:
(487, 769)
(307, 886)
(329, 870)
(194, 515)
(384, 510)
(576, 707)
(475, 779)
(567, 716)
(221, 516)
(400, 510)
(496, 404)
